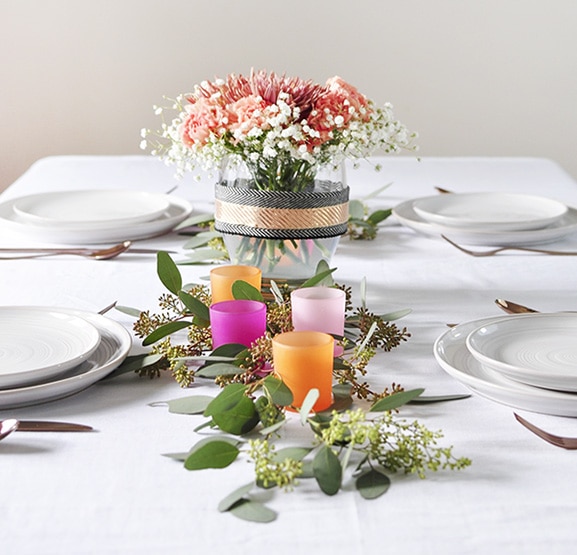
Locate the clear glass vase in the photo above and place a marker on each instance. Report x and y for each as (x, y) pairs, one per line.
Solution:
(283, 232)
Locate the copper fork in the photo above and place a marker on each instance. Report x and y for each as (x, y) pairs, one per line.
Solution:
(558, 441)
(492, 252)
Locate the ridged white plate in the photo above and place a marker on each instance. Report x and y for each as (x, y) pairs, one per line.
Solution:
(493, 211)
(454, 357)
(93, 209)
(176, 212)
(565, 225)
(37, 344)
(113, 348)
(536, 349)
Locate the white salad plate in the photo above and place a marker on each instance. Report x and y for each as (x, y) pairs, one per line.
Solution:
(494, 211)
(113, 348)
(90, 209)
(37, 344)
(563, 226)
(536, 349)
(454, 357)
(178, 210)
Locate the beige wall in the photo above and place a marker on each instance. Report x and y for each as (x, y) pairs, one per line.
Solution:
(491, 77)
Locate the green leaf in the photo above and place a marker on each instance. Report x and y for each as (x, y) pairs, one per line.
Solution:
(438, 398)
(278, 391)
(308, 403)
(241, 290)
(128, 310)
(231, 350)
(134, 363)
(295, 453)
(181, 457)
(234, 497)
(377, 191)
(214, 454)
(342, 399)
(166, 329)
(378, 216)
(327, 470)
(195, 220)
(272, 428)
(203, 256)
(252, 511)
(200, 239)
(219, 369)
(195, 404)
(226, 399)
(395, 400)
(238, 420)
(198, 308)
(168, 273)
(372, 484)
(396, 315)
(317, 279)
(276, 292)
(356, 209)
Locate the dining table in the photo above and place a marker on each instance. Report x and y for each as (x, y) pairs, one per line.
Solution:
(114, 490)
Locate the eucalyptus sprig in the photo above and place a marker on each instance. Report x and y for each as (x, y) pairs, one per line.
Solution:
(348, 444)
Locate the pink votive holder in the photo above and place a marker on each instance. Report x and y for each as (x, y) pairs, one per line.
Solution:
(319, 309)
(240, 321)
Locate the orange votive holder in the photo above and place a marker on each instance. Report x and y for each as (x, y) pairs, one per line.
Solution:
(304, 361)
(222, 278)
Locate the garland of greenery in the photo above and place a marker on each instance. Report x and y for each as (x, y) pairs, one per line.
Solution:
(251, 409)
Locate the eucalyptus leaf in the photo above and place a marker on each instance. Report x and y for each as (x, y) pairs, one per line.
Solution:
(356, 209)
(195, 404)
(196, 307)
(278, 391)
(168, 272)
(379, 216)
(396, 315)
(327, 470)
(231, 350)
(234, 497)
(195, 220)
(239, 419)
(372, 484)
(377, 191)
(319, 278)
(181, 457)
(214, 454)
(363, 292)
(219, 369)
(134, 363)
(162, 331)
(308, 403)
(295, 453)
(226, 399)
(128, 310)
(253, 511)
(420, 400)
(395, 400)
(272, 428)
(203, 255)
(241, 290)
(200, 239)
(277, 294)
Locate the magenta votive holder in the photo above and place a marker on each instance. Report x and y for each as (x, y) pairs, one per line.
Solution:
(240, 321)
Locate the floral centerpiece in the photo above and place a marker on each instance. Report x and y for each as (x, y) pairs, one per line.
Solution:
(285, 139)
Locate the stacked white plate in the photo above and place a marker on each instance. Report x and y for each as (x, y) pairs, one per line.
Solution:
(93, 216)
(489, 218)
(49, 353)
(526, 361)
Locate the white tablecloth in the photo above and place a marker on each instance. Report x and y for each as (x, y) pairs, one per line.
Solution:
(112, 491)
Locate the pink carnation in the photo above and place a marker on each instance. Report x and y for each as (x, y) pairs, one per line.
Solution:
(247, 113)
(204, 118)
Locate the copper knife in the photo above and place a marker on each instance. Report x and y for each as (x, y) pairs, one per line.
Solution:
(48, 426)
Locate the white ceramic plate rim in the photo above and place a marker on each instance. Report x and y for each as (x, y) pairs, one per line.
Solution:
(62, 341)
(485, 343)
(114, 347)
(92, 208)
(565, 225)
(451, 352)
(477, 211)
(178, 210)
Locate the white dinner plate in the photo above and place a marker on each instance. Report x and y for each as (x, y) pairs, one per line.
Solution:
(113, 348)
(492, 211)
(92, 209)
(454, 357)
(536, 349)
(565, 225)
(36, 344)
(176, 212)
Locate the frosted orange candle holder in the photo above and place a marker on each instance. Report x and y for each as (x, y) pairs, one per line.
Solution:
(304, 361)
(222, 278)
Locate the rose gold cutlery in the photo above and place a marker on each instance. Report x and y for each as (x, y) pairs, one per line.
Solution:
(492, 252)
(558, 441)
(514, 308)
(12, 425)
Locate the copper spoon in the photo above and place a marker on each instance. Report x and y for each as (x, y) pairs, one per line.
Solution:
(96, 254)
(7, 427)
